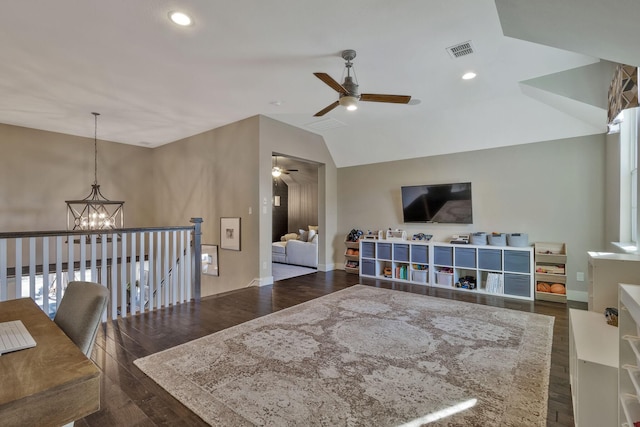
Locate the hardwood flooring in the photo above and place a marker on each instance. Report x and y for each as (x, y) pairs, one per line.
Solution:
(130, 398)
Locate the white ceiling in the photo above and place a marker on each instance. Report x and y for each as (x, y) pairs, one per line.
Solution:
(155, 83)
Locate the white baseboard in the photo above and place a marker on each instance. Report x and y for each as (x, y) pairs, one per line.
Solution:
(326, 267)
(262, 281)
(581, 296)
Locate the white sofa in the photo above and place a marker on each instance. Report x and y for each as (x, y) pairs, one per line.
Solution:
(297, 252)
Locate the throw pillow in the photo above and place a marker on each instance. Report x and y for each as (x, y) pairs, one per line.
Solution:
(313, 227)
(304, 235)
(311, 235)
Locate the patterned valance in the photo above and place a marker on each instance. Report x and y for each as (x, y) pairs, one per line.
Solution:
(623, 91)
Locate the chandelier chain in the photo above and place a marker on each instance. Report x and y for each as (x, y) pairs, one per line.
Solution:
(95, 150)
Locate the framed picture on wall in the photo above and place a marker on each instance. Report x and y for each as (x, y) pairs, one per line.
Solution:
(230, 233)
(210, 260)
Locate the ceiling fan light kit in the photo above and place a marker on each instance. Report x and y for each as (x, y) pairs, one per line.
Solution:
(348, 90)
(350, 102)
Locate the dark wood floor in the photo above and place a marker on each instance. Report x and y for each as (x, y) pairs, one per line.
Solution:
(129, 398)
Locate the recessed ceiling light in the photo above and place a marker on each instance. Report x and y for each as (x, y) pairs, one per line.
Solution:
(180, 18)
(469, 76)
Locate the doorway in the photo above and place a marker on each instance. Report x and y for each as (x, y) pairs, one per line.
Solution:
(295, 207)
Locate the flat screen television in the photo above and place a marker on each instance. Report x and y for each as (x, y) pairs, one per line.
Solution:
(438, 203)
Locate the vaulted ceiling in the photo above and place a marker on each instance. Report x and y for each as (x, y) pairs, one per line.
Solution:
(542, 67)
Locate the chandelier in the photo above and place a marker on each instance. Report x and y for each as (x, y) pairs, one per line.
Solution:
(95, 212)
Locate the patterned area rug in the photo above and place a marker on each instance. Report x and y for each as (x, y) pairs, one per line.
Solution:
(367, 356)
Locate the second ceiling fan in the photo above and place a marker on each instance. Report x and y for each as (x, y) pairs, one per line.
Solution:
(276, 170)
(348, 90)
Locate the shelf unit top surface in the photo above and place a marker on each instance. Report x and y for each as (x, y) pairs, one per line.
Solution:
(613, 256)
(630, 297)
(595, 340)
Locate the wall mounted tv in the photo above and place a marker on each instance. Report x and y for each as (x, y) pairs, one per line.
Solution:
(438, 203)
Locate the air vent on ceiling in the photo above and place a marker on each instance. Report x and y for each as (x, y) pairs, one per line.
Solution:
(461, 49)
(325, 124)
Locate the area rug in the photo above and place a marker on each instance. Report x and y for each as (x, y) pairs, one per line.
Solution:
(366, 356)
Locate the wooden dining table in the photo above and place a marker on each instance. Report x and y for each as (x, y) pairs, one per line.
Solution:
(51, 384)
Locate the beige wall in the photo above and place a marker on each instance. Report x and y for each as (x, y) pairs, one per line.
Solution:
(225, 172)
(39, 170)
(554, 191)
(213, 175)
(294, 142)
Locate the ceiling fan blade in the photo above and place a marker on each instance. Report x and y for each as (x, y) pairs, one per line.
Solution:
(329, 81)
(292, 170)
(326, 109)
(396, 99)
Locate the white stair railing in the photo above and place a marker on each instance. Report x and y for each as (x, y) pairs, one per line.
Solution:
(142, 267)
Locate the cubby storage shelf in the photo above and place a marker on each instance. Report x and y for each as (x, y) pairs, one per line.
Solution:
(509, 269)
(350, 259)
(629, 354)
(551, 263)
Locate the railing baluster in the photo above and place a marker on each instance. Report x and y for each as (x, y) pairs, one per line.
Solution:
(143, 283)
(114, 276)
(167, 281)
(94, 256)
(187, 265)
(83, 259)
(123, 276)
(18, 283)
(71, 269)
(182, 266)
(45, 275)
(174, 269)
(132, 275)
(159, 271)
(104, 266)
(58, 270)
(151, 277)
(32, 268)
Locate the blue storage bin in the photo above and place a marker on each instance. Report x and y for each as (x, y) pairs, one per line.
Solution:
(465, 257)
(368, 267)
(517, 285)
(384, 251)
(443, 255)
(490, 259)
(420, 254)
(368, 250)
(401, 252)
(517, 261)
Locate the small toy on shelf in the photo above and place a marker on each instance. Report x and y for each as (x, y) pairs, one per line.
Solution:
(354, 235)
(422, 237)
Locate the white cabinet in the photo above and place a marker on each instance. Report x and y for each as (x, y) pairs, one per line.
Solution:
(629, 350)
(593, 369)
(497, 270)
(606, 270)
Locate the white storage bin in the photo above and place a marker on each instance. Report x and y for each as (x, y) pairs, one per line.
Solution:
(499, 239)
(445, 279)
(518, 239)
(419, 276)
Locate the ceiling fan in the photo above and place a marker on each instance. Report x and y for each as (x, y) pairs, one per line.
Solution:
(276, 171)
(348, 91)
